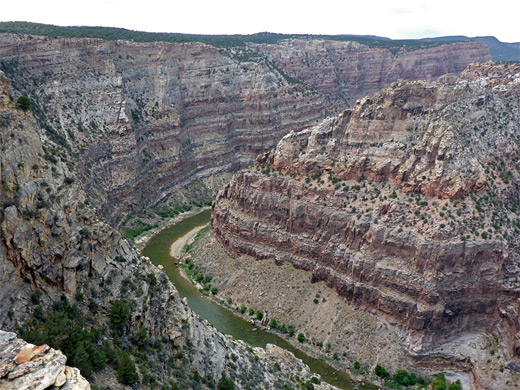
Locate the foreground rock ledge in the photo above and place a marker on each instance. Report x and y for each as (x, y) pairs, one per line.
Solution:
(26, 366)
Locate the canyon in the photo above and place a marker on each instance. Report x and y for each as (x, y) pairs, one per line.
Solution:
(191, 113)
(401, 212)
(71, 280)
(405, 205)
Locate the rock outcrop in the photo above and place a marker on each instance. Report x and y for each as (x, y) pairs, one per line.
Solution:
(406, 205)
(189, 113)
(346, 71)
(26, 366)
(58, 262)
(183, 112)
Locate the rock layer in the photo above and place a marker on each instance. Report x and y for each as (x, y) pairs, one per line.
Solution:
(181, 111)
(346, 71)
(189, 112)
(406, 205)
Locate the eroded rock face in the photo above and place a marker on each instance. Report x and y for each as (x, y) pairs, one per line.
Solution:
(25, 366)
(54, 251)
(159, 122)
(346, 71)
(150, 119)
(406, 205)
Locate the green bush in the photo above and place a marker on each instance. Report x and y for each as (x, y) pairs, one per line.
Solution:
(381, 371)
(439, 383)
(272, 324)
(259, 315)
(404, 378)
(301, 337)
(455, 386)
(23, 103)
(225, 384)
(357, 365)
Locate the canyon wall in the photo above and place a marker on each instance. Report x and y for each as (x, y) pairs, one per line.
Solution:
(407, 205)
(160, 122)
(67, 276)
(345, 71)
(150, 119)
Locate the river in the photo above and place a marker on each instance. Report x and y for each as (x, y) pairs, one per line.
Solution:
(158, 250)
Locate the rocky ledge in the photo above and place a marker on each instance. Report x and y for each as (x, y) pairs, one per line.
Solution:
(406, 205)
(26, 366)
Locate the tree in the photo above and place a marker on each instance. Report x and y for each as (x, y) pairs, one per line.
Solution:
(23, 103)
(142, 338)
(301, 337)
(82, 361)
(119, 315)
(126, 373)
(225, 384)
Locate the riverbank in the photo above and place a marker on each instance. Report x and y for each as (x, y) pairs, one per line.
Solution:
(362, 375)
(141, 241)
(225, 320)
(178, 245)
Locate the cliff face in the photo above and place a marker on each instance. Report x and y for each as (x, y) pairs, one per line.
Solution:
(59, 263)
(406, 205)
(346, 71)
(161, 122)
(182, 112)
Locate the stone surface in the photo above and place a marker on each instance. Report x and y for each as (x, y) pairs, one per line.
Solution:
(40, 368)
(346, 71)
(406, 205)
(186, 112)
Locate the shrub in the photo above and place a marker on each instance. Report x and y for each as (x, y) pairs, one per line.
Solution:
(259, 315)
(455, 386)
(126, 373)
(301, 337)
(404, 378)
(214, 290)
(242, 309)
(251, 311)
(272, 324)
(381, 371)
(152, 279)
(23, 103)
(225, 384)
(357, 365)
(439, 383)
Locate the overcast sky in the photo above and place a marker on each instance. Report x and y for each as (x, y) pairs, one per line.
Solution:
(391, 18)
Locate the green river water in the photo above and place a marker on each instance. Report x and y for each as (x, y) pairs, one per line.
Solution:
(158, 250)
